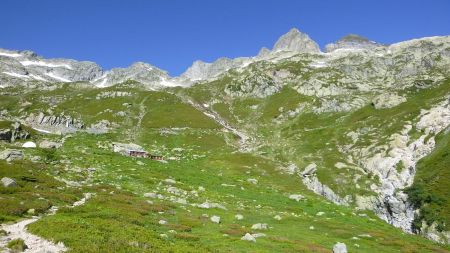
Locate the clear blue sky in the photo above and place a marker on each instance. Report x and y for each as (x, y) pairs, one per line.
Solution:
(171, 34)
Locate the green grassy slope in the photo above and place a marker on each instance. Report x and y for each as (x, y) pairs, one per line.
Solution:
(206, 168)
(431, 185)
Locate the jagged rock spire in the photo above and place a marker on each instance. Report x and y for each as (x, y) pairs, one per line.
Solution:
(296, 41)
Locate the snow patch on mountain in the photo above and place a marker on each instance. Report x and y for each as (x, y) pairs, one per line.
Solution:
(62, 79)
(46, 64)
(16, 75)
(14, 55)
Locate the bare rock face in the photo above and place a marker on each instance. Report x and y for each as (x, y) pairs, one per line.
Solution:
(296, 41)
(387, 100)
(203, 70)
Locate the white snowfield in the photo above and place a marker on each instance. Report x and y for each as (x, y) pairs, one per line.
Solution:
(45, 64)
(14, 55)
(32, 76)
(38, 77)
(169, 83)
(16, 75)
(62, 79)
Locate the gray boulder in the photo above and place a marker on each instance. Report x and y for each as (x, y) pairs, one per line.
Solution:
(248, 237)
(340, 248)
(8, 182)
(11, 155)
(309, 170)
(49, 144)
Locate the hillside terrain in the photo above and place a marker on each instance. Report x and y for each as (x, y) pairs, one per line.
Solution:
(292, 150)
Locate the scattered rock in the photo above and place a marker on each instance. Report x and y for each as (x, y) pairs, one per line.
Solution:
(260, 226)
(309, 170)
(248, 237)
(8, 182)
(208, 205)
(215, 219)
(340, 248)
(340, 165)
(151, 195)
(239, 217)
(277, 217)
(169, 181)
(252, 181)
(296, 197)
(257, 235)
(49, 144)
(162, 222)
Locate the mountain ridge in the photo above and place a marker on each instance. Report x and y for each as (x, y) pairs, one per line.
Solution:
(292, 42)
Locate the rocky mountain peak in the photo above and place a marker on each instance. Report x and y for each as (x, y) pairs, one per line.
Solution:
(263, 52)
(203, 70)
(296, 41)
(352, 41)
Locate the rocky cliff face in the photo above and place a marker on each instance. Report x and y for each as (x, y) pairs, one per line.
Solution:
(202, 70)
(295, 41)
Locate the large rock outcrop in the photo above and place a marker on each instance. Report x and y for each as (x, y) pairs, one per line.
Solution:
(59, 124)
(14, 132)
